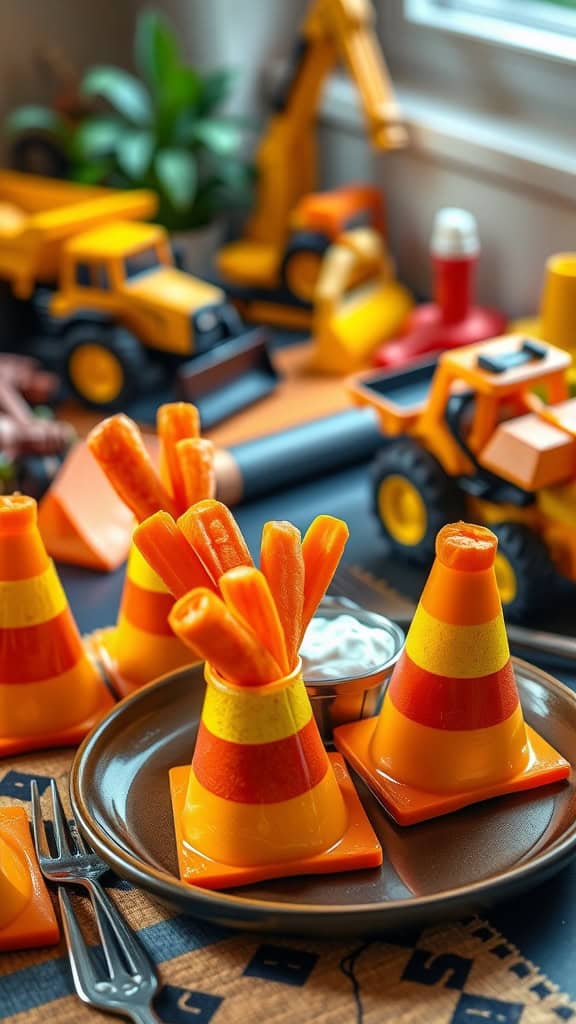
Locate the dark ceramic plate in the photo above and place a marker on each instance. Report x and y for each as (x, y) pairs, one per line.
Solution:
(439, 869)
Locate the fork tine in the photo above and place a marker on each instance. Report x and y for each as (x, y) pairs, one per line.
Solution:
(135, 954)
(38, 828)
(81, 965)
(61, 831)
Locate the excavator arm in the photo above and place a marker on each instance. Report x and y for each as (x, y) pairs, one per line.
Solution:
(333, 30)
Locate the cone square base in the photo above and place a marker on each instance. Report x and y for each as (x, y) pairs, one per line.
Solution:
(101, 645)
(71, 737)
(358, 849)
(37, 924)
(408, 805)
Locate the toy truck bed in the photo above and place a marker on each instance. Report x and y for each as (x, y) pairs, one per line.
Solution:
(398, 396)
(38, 215)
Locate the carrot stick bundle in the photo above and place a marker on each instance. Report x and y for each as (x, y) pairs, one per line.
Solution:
(247, 595)
(175, 422)
(210, 528)
(117, 446)
(195, 457)
(168, 553)
(205, 624)
(283, 566)
(322, 549)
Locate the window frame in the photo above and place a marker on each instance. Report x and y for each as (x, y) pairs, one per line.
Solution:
(474, 20)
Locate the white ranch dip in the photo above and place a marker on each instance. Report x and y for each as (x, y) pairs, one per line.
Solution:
(342, 647)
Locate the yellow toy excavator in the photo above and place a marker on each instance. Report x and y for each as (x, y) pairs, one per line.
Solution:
(272, 271)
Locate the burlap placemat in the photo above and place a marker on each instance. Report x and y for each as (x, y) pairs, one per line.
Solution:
(462, 973)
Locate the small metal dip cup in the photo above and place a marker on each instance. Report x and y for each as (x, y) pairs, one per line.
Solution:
(337, 701)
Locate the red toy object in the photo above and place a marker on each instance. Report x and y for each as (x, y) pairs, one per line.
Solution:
(452, 319)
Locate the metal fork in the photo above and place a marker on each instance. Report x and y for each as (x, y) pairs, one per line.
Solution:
(129, 982)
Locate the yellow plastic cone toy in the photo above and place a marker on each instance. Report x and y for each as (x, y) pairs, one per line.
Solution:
(263, 799)
(51, 692)
(27, 917)
(451, 730)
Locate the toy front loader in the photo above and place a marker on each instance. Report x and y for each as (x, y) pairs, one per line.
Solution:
(488, 433)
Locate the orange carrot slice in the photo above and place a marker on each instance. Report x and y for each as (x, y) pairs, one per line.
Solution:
(168, 553)
(117, 446)
(322, 549)
(205, 624)
(212, 531)
(247, 594)
(283, 566)
(196, 464)
(175, 421)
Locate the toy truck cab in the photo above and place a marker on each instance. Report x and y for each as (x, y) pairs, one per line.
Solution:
(123, 274)
(487, 433)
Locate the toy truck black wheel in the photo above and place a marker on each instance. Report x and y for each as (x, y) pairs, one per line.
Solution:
(413, 499)
(524, 571)
(104, 365)
(301, 264)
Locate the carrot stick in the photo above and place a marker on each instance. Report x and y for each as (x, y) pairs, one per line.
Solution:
(322, 549)
(210, 528)
(283, 566)
(195, 457)
(167, 552)
(174, 422)
(204, 623)
(247, 594)
(117, 446)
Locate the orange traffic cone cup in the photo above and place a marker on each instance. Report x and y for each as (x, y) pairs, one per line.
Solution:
(51, 692)
(451, 730)
(141, 646)
(263, 799)
(26, 914)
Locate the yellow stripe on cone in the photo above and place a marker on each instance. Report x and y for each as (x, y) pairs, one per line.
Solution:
(134, 655)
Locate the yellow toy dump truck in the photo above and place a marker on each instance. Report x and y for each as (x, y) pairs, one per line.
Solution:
(109, 306)
(487, 433)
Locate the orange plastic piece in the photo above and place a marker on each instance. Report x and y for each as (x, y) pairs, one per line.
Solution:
(531, 452)
(262, 798)
(283, 566)
(322, 547)
(51, 692)
(247, 594)
(175, 422)
(27, 918)
(117, 445)
(210, 528)
(195, 458)
(81, 519)
(170, 556)
(451, 730)
(205, 624)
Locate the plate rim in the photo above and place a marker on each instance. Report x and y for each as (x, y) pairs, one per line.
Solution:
(207, 902)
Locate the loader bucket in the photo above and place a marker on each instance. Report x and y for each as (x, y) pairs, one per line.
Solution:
(229, 378)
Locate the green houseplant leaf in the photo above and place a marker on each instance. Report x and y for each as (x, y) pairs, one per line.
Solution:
(95, 138)
(121, 90)
(35, 118)
(134, 151)
(177, 175)
(155, 49)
